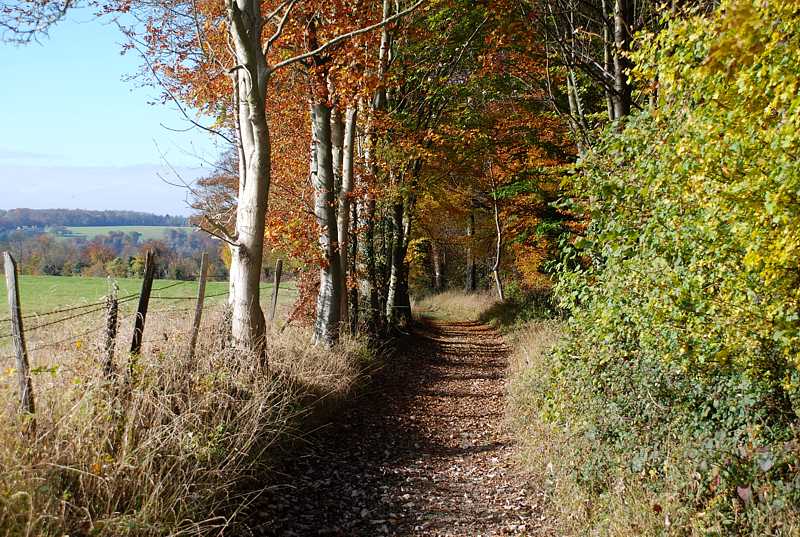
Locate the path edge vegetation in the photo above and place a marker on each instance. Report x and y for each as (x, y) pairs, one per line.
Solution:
(176, 448)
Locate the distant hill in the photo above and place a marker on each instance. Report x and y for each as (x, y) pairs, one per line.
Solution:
(44, 218)
(145, 233)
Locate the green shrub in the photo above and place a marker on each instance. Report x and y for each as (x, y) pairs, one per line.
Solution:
(679, 370)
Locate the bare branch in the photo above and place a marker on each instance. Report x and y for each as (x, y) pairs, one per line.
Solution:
(27, 21)
(279, 29)
(175, 99)
(344, 37)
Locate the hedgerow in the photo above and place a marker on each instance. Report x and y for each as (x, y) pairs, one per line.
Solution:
(680, 364)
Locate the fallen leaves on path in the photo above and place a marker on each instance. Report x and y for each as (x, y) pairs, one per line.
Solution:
(424, 452)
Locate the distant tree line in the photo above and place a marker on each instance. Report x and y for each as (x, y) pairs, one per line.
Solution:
(116, 254)
(42, 218)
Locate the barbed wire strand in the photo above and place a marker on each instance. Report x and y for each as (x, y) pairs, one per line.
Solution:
(102, 306)
(89, 305)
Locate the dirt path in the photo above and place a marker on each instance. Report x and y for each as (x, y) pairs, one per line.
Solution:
(424, 453)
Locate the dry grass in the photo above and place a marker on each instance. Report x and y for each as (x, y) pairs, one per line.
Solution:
(540, 442)
(163, 452)
(456, 305)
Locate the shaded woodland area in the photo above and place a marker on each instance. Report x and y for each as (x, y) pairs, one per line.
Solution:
(626, 170)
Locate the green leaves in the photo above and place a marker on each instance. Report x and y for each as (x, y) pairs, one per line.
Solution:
(685, 305)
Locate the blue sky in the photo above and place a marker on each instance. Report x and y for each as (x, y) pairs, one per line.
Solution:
(74, 134)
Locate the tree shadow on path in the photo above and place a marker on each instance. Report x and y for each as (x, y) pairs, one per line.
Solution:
(422, 451)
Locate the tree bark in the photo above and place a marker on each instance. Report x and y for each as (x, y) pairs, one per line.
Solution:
(343, 215)
(372, 289)
(396, 269)
(623, 21)
(352, 290)
(251, 76)
(337, 147)
(403, 299)
(607, 56)
(368, 273)
(470, 283)
(326, 327)
(436, 262)
(498, 246)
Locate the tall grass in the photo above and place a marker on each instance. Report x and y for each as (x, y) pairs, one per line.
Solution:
(455, 305)
(167, 449)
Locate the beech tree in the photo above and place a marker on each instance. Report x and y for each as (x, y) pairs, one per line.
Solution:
(261, 34)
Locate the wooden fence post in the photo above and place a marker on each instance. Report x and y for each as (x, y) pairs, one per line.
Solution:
(198, 311)
(112, 311)
(278, 271)
(18, 333)
(144, 300)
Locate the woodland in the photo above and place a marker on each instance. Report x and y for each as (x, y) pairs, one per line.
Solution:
(39, 219)
(621, 173)
(115, 254)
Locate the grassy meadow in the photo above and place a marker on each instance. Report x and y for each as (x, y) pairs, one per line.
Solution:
(170, 311)
(40, 294)
(147, 232)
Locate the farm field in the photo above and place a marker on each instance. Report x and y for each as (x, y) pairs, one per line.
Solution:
(39, 294)
(147, 232)
(51, 320)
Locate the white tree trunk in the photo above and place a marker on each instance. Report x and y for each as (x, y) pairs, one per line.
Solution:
(343, 215)
(326, 327)
(397, 259)
(436, 260)
(470, 283)
(498, 247)
(337, 147)
(250, 87)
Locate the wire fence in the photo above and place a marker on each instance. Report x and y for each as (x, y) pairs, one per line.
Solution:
(96, 307)
(84, 310)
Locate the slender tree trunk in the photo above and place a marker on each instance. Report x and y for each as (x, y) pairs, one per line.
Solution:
(397, 255)
(378, 291)
(403, 299)
(498, 246)
(443, 256)
(384, 57)
(385, 266)
(337, 148)
(576, 119)
(343, 215)
(368, 274)
(623, 20)
(436, 261)
(326, 327)
(248, 327)
(607, 56)
(352, 290)
(470, 283)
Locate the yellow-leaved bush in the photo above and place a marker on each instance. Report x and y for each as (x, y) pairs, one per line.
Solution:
(683, 295)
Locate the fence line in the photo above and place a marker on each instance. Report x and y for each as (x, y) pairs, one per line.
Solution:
(121, 300)
(84, 310)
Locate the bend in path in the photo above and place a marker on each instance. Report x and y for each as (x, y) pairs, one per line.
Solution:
(424, 452)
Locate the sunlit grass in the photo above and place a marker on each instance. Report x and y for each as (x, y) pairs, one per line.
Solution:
(166, 450)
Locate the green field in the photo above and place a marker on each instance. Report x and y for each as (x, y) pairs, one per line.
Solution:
(147, 232)
(39, 294)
